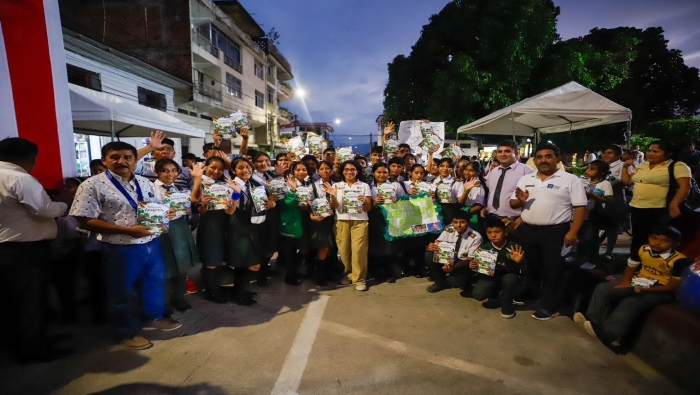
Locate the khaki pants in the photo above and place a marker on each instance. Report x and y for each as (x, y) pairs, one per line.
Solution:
(352, 240)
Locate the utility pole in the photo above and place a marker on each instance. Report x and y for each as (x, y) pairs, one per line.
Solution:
(370, 142)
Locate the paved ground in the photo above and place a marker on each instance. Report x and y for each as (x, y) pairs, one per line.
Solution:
(395, 338)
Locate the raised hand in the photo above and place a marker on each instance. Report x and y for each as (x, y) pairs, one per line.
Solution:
(522, 195)
(281, 168)
(244, 133)
(388, 129)
(293, 184)
(197, 170)
(157, 139)
(517, 254)
(233, 184)
(333, 191)
(472, 183)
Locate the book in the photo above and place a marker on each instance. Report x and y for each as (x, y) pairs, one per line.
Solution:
(220, 194)
(304, 195)
(316, 145)
(487, 261)
(445, 253)
(431, 143)
(425, 187)
(643, 282)
(259, 197)
(180, 201)
(321, 207)
(387, 191)
(154, 215)
(351, 202)
(344, 154)
(444, 193)
(276, 187)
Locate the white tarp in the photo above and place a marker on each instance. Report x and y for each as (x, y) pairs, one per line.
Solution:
(97, 113)
(568, 107)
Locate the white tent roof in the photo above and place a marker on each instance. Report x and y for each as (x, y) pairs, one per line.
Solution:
(92, 112)
(568, 107)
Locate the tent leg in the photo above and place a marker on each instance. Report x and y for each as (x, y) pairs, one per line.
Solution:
(111, 127)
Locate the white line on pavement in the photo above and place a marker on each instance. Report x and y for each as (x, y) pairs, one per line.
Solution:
(295, 362)
(447, 361)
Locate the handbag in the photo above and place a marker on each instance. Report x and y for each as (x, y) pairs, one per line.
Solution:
(692, 201)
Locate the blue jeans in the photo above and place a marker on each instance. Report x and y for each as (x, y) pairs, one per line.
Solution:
(125, 265)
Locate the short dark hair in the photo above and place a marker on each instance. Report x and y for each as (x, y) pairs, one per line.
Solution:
(377, 150)
(96, 162)
(404, 145)
(309, 157)
(493, 223)
(549, 146)
(448, 160)
(252, 153)
(360, 157)
(280, 155)
(462, 214)
(160, 165)
(669, 231)
(353, 164)
(378, 166)
(615, 148)
(17, 149)
(258, 154)
(667, 147)
(208, 146)
(118, 146)
(169, 142)
(328, 149)
(602, 166)
(508, 143)
(396, 160)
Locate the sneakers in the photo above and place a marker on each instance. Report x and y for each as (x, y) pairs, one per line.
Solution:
(191, 288)
(344, 281)
(362, 287)
(163, 324)
(491, 304)
(137, 343)
(587, 266)
(544, 315)
(435, 287)
(518, 303)
(571, 259)
(507, 312)
(607, 257)
(581, 320)
(589, 328)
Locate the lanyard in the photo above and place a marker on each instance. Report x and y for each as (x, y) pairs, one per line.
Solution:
(121, 189)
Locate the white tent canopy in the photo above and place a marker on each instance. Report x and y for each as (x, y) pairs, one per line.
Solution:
(101, 113)
(568, 107)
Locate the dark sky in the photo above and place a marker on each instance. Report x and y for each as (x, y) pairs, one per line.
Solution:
(339, 49)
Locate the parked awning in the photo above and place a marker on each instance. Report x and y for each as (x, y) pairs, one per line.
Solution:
(101, 113)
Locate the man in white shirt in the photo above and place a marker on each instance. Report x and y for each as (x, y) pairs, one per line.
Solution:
(27, 227)
(107, 204)
(548, 199)
(502, 181)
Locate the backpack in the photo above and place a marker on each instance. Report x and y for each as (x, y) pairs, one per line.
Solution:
(692, 201)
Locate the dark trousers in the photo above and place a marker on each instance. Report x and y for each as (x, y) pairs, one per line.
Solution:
(24, 283)
(644, 220)
(126, 265)
(504, 287)
(94, 271)
(175, 288)
(612, 310)
(543, 245)
(458, 278)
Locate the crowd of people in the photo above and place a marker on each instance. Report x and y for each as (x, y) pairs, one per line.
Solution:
(323, 219)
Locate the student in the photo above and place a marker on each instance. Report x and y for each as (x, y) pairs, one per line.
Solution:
(448, 191)
(178, 246)
(611, 155)
(96, 167)
(322, 239)
(613, 308)
(244, 233)
(264, 175)
(505, 284)
(211, 233)
(415, 249)
(396, 169)
(376, 155)
(352, 227)
(329, 156)
(385, 253)
(408, 161)
(600, 194)
(404, 149)
(465, 242)
(295, 226)
(475, 193)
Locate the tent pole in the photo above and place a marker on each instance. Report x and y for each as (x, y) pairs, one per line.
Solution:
(512, 124)
(111, 127)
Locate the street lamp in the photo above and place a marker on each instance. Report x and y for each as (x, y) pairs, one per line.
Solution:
(349, 138)
(337, 121)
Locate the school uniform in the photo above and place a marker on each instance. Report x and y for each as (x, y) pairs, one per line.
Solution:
(466, 245)
(547, 215)
(269, 228)
(294, 231)
(589, 241)
(113, 199)
(179, 250)
(613, 310)
(450, 203)
(352, 231)
(147, 169)
(211, 233)
(322, 233)
(415, 248)
(501, 184)
(383, 251)
(505, 285)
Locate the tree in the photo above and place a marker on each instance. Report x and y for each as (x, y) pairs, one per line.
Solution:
(472, 58)
(681, 132)
(274, 36)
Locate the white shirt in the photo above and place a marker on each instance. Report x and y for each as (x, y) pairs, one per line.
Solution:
(477, 195)
(515, 172)
(591, 157)
(26, 211)
(616, 170)
(359, 186)
(604, 186)
(471, 240)
(162, 189)
(97, 197)
(456, 189)
(147, 169)
(551, 201)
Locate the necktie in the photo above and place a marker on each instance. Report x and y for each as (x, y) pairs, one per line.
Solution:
(499, 186)
(459, 244)
(168, 188)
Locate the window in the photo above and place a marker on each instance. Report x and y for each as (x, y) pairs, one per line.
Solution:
(234, 86)
(84, 78)
(207, 117)
(259, 99)
(270, 95)
(270, 71)
(231, 50)
(182, 111)
(259, 71)
(152, 99)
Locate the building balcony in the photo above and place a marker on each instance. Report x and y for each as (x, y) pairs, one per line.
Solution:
(285, 116)
(286, 90)
(233, 64)
(205, 44)
(207, 91)
(284, 72)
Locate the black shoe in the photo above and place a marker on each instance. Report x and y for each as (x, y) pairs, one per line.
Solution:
(435, 287)
(217, 297)
(544, 315)
(245, 301)
(390, 280)
(251, 294)
(507, 312)
(47, 355)
(181, 306)
(292, 281)
(466, 293)
(491, 304)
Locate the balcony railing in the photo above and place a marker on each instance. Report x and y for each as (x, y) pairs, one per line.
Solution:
(202, 42)
(285, 114)
(233, 64)
(287, 91)
(207, 91)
